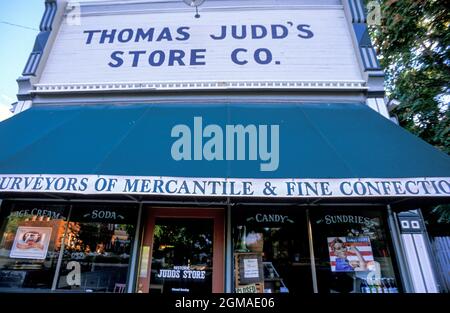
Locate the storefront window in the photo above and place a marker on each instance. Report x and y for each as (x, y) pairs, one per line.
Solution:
(352, 251)
(271, 251)
(97, 249)
(93, 257)
(30, 243)
(182, 255)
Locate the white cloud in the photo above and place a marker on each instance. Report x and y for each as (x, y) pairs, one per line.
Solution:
(4, 112)
(4, 99)
(5, 105)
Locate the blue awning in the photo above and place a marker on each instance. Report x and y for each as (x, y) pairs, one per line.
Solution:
(316, 143)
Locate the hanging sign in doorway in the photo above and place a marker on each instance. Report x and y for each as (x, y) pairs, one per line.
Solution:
(181, 272)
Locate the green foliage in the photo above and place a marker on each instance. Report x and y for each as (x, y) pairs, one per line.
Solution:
(442, 212)
(413, 42)
(13, 224)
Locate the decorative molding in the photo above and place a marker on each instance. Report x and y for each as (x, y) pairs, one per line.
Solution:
(371, 69)
(41, 39)
(208, 9)
(114, 7)
(49, 15)
(32, 63)
(358, 11)
(205, 85)
(358, 20)
(369, 58)
(25, 85)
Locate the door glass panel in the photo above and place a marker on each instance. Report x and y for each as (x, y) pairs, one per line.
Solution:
(182, 255)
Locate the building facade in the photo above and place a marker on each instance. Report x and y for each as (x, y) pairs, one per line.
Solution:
(243, 148)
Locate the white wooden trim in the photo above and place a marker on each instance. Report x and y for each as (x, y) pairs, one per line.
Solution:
(222, 8)
(425, 263)
(414, 264)
(197, 85)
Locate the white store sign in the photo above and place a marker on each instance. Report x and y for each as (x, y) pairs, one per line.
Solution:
(231, 187)
(228, 48)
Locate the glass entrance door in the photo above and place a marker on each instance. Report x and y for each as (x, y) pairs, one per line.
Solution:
(182, 255)
(185, 251)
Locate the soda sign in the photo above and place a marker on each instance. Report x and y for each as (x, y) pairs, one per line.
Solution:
(103, 214)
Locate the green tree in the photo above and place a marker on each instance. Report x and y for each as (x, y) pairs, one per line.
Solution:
(413, 42)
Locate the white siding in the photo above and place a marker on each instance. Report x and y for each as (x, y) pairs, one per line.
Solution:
(328, 56)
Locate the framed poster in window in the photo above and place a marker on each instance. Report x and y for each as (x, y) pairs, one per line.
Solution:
(250, 268)
(31, 242)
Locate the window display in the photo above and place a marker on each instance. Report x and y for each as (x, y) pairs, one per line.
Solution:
(30, 242)
(88, 247)
(277, 238)
(249, 272)
(98, 246)
(93, 257)
(352, 251)
(350, 254)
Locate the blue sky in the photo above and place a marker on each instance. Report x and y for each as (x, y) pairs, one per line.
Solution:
(16, 44)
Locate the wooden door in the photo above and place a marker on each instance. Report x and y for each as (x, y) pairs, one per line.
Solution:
(183, 251)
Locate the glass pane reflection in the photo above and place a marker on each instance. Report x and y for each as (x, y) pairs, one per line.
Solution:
(30, 244)
(97, 249)
(182, 255)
